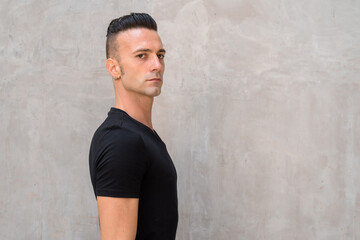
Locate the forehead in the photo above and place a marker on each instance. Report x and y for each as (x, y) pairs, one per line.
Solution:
(135, 38)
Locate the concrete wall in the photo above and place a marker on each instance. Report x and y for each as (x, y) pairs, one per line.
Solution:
(260, 111)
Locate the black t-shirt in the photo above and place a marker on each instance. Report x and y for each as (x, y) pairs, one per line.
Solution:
(129, 160)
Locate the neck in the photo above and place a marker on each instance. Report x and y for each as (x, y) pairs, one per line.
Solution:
(137, 106)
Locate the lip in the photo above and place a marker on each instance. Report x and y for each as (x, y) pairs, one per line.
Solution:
(155, 79)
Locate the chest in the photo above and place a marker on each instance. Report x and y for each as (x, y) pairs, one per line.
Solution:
(161, 166)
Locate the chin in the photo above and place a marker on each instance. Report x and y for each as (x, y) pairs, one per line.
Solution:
(157, 94)
(153, 92)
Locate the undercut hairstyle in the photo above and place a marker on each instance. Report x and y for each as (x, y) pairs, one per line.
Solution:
(133, 20)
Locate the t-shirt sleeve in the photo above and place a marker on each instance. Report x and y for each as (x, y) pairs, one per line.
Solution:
(121, 165)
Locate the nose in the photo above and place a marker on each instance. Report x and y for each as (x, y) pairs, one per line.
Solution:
(155, 64)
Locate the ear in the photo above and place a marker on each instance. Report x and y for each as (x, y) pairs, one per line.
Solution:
(113, 68)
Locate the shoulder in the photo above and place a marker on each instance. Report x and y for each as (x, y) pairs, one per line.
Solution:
(113, 135)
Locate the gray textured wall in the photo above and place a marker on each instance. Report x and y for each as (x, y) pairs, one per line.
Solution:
(260, 112)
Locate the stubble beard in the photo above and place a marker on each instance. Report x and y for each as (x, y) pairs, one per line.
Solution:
(122, 70)
(153, 92)
(149, 91)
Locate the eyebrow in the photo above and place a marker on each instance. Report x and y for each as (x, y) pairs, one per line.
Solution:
(148, 50)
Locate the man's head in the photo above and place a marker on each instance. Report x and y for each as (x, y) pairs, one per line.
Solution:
(135, 55)
(121, 24)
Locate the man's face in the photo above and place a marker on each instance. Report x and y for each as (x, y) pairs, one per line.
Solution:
(141, 59)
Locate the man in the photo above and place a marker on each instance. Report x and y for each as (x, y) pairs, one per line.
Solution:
(133, 176)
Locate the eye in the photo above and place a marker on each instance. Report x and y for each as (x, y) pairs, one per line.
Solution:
(140, 55)
(161, 56)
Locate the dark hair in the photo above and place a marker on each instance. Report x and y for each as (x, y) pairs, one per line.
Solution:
(133, 20)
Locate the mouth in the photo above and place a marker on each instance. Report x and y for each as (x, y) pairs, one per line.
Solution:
(155, 80)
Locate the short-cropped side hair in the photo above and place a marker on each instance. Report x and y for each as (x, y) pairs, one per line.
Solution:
(133, 20)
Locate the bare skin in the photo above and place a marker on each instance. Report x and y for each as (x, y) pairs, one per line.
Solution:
(137, 70)
(118, 218)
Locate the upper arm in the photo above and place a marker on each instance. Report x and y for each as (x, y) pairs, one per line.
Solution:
(118, 217)
(119, 168)
(120, 165)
